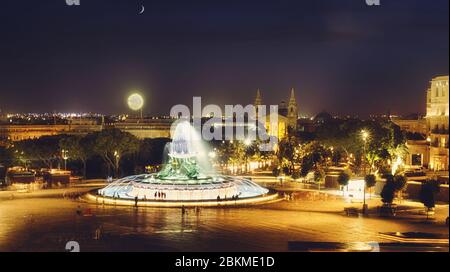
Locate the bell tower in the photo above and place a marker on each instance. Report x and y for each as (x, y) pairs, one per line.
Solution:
(292, 111)
(258, 101)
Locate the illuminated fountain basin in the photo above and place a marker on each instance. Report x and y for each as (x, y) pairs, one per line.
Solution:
(186, 179)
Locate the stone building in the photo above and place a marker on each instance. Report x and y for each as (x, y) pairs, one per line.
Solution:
(429, 146)
(437, 122)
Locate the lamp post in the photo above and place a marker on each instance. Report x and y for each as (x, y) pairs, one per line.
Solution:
(364, 136)
(247, 143)
(116, 157)
(65, 156)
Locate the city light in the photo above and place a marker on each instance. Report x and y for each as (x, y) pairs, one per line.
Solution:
(365, 135)
(247, 142)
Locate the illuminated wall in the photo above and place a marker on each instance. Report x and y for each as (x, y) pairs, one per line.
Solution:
(438, 122)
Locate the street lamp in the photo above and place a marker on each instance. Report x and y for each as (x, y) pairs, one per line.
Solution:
(116, 156)
(65, 157)
(364, 135)
(247, 143)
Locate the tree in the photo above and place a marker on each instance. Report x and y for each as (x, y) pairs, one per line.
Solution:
(296, 175)
(306, 167)
(393, 185)
(6, 157)
(276, 171)
(428, 193)
(112, 145)
(387, 193)
(319, 174)
(386, 144)
(44, 149)
(370, 180)
(151, 151)
(400, 183)
(78, 148)
(287, 153)
(343, 179)
(231, 152)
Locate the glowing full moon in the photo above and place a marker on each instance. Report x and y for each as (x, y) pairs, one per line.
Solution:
(135, 102)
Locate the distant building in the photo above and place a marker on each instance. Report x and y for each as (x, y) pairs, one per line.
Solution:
(146, 127)
(19, 132)
(437, 122)
(428, 140)
(281, 129)
(290, 110)
(412, 124)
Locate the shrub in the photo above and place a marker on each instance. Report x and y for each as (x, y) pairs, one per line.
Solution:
(276, 172)
(388, 193)
(370, 180)
(428, 191)
(319, 174)
(399, 182)
(296, 175)
(343, 178)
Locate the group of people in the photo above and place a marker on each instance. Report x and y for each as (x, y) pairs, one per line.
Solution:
(233, 197)
(160, 195)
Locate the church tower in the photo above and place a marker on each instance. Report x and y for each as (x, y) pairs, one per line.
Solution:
(292, 111)
(258, 101)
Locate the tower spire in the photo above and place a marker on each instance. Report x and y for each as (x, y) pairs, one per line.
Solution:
(258, 99)
(292, 111)
(292, 98)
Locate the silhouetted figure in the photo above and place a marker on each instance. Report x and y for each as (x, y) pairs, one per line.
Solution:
(135, 201)
(79, 210)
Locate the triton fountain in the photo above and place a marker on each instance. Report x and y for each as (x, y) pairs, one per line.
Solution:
(186, 179)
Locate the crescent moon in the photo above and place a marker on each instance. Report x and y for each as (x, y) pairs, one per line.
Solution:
(142, 10)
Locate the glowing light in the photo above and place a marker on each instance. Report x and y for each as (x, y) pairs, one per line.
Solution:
(212, 154)
(364, 134)
(247, 142)
(397, 163)
(129, 202)
(135, 102)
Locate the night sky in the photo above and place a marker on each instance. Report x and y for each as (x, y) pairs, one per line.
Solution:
(342, 56)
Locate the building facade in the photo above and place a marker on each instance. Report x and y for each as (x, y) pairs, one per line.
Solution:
(146, 127)
(437, 122)
(429, 147)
